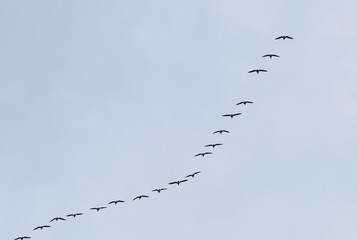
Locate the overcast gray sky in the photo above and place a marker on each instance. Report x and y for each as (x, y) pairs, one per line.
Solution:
(106, 100)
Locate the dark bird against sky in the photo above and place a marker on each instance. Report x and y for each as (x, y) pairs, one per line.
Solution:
(231, 115)
(202, 154)
(283, 37)
(193, 174)
(97, 208)
(74, 214)
(214, 145)
(257, 71)
(57, 218)
(115, 202)
(158, 190)
(221, 131)
(270, 55)
(140, 196)
(41, 227)
(178, 182)
(22, 238)
(244, 102)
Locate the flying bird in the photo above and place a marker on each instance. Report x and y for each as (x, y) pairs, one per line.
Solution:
(97, 208)
(257, 71)
(270, 55)
(231, 115)
(74, 214)
(115, 202)
(221, 131)
(22, 238)
(214, 145)
(283, 37)
(244, 102)
(193, 174)
(57, 218)
(202, 154)
(140, 196)
(178, 182)
(158, 190)
(41, 227)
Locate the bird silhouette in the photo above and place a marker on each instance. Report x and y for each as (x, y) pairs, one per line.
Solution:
(283, 37)
(22, 238)
(221, 131)
(158, 190)
(97, 208)
(202, 154)
(244, 102)
(257, 71)
(57, 218)
(214, 145)
(193, 174)
(231, 115)
(115, 202)
(41, 227)
(178, 182)
(140, 196)
(74, 214)
(270, 55)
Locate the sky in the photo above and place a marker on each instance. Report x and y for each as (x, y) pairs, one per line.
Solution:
(108, 100)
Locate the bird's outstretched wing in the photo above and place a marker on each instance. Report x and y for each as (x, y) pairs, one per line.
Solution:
(173, 182)
(251, 71)
(289, 37)
(280, 37)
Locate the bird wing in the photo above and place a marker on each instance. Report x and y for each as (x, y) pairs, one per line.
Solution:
(274, 55)
(53, 219)
(163, 189)
(185, 180)
(155, 190)
(278, 37)
(226, 115)
(197, 172)
(136, 198)
(289, 37)
(252, 71)
(209, 145)
(189, 175)
(37, 228)
(173, 183)
(266, 55)
(94, 208)
(112, 202)
(237, 114)
(208, 153)
(239, 103)
(198, 154)
(62, 219)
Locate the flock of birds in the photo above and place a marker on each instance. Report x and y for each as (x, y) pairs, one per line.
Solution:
(158, 190)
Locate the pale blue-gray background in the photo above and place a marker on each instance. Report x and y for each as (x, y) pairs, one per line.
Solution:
(105, 100)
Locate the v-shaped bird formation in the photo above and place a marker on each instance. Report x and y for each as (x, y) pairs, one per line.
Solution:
(178, 182)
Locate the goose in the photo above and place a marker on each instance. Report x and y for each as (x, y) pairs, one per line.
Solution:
(257, 71)
(221, 131)
(270, 55)
(140, 196)
(202, 154)
(178, 182)
(214, 145)
(193, 174)
(283, 37)
(231, 115)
